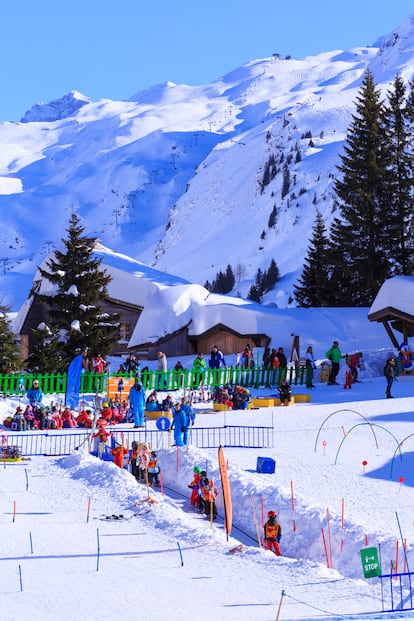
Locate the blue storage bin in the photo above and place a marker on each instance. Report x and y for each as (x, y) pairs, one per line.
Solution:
(265, 465)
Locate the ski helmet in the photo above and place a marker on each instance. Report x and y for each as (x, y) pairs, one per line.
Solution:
(203, 474)
(197, 470)
(272, 514)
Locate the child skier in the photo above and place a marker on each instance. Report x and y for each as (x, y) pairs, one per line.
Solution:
(195, 487)
(143, 461)
(210, 492)
(272, 533)
(154, 468)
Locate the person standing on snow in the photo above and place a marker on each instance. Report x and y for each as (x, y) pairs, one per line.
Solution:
(389, 372)
(334, 355)
(195, 486)
(310, 367)
(179, 424)
(162, 368)
(137, 399)
(216, 358)
(190, 418)
(272, 533)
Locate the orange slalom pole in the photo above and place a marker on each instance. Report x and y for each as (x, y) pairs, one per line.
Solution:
(162, 484)
(342, 523)
(405, 556)
(329, 537)
(89, 509)
(255, 521)
(263, 518)
(14, 510)
(325, 548)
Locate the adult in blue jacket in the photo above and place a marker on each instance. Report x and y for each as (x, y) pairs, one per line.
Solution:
(179, 424)
(35, 395)
(190, 418)
(137, 399)
(216, 358)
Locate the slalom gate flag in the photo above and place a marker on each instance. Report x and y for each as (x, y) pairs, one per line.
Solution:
(225, 484)
(73, 382)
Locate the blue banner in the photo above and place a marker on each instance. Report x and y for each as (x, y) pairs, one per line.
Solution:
(73, 382)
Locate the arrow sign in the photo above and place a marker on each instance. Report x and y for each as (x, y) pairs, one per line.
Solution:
(163, 423)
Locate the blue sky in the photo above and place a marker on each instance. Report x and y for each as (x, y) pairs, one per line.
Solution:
(112, 50)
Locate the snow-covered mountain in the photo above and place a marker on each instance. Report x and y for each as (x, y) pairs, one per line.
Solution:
(185, 178)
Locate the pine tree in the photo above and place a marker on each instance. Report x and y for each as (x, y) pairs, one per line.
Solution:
(10, 359)
(80, 286)
(272, 218)
(254, 294)
(270, 277)
(45, 355)
(363, 191)
(286, 181)
(313, 288)
(399, 114)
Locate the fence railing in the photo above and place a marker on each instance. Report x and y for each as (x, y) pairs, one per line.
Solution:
(156, 380)
(397, 590)
(59, 444)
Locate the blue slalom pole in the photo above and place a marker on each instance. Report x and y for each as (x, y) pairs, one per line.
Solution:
(27, 480)
(181, 556)
(31, 543)
(99, 550)
(20, 577)
(402, 542)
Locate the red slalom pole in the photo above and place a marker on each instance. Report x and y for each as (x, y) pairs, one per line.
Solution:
(89, 509)
(325, 548)
(14, 510)
(329, 537)
(162, 484)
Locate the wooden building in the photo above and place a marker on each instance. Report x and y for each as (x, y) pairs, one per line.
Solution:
(394, 308)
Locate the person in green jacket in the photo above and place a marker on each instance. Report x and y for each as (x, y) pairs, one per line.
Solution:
(199, 368)
(334, 355)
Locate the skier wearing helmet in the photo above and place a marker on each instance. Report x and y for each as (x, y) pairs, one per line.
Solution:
(272, 533)
(195, 486)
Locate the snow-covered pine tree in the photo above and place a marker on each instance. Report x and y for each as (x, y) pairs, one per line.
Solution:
(80, 287)
(364, 193)
(399, 116)
(313, 285)
(10, 359)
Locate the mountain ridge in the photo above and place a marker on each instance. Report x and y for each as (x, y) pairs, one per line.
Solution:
(175, 175)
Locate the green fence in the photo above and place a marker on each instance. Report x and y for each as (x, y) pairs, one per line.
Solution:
(18, 384)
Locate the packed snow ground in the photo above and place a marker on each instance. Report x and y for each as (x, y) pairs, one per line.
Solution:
(50, 567)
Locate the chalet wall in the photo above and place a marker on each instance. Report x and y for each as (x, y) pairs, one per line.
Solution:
(39, 312)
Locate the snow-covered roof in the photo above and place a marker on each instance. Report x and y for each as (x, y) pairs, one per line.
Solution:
(171, 303)
(396, 293)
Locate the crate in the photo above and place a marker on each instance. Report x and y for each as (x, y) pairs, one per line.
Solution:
(305, 398)
(220, 407)
(291, 402)
(265, 465)
(263, 402)
(155, 414)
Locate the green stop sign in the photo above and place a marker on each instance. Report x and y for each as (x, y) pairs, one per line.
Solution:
(370, 562)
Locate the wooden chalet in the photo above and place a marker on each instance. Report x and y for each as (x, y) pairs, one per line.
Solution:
(394, 308)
